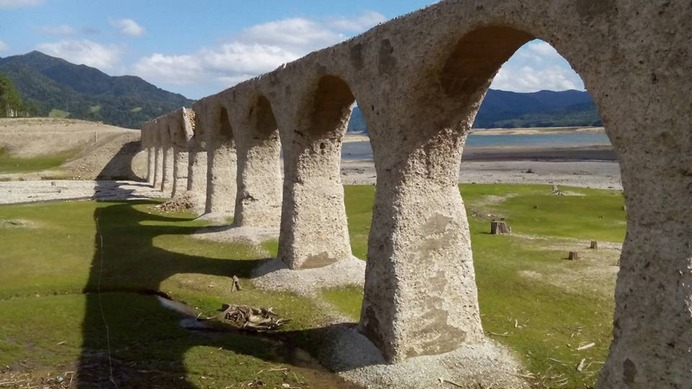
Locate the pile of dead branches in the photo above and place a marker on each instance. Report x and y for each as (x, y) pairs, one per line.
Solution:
(252, 319)
(177, 204)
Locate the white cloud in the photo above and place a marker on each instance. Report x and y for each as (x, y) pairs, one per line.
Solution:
(3, 46)
(62, 29)
(255, 50)
(537, 66)
(19, 3)
(84, 52)
(128, 27)
(173, 69)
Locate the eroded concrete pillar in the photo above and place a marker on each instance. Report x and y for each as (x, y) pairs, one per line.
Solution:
(197, 172)
(258, 203)
(213, 128)
(221, 175)
(314, 229)
(167, 168)
(158, 165)
(180, 171)
(652, 326)
(420, 291)
(151, 164)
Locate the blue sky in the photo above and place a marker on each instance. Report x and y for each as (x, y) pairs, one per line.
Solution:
(201, 47)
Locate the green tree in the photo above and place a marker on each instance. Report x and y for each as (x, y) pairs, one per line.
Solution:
(10, 101)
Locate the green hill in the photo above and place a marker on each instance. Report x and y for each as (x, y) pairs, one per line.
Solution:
(502, 109)
(54, 87)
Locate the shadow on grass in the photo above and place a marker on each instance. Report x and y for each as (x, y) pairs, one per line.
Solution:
(131, 340)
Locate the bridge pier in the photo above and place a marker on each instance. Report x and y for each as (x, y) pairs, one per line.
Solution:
(652, 323)
(147, 144)
(314, 228)
(180, 169)
(167, 167)
(212, 118)
(197, 171)
(420, 290)
(258, 202)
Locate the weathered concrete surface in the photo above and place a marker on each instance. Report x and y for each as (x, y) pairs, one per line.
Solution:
(211, 118)
(181, 130)
(197, 173)
(314, 229)
(419, 81)
(259, 181)
(148, 145)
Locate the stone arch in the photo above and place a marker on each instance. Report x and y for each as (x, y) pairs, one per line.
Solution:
(420, 204)
(477, 57)
(640, 115)
(265, 121)
(314, 231)
(224, 123)
(332, 107)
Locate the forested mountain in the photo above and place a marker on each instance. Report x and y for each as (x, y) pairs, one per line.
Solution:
(53, 86)
(502, 109)
(538, 109)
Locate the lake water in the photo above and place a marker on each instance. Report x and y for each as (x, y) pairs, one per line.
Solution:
(362, 150)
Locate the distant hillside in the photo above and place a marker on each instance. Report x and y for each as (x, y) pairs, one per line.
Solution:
(538, 109)
(55, 87)
(501, 109)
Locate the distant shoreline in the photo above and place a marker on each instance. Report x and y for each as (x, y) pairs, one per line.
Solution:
(360, 137)
(538, 152)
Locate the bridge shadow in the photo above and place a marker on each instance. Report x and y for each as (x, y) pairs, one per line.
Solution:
(129, 338)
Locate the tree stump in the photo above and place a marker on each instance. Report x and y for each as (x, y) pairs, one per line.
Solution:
(235, 287)
(594, 244)
(499, 227)
(573, 256)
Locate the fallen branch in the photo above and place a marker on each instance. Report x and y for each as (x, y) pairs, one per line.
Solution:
(586, 346)
(580, 366)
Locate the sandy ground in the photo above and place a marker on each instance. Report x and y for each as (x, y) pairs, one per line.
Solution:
(99, 151)
(585, 166)
(110, 152)
(582, 173)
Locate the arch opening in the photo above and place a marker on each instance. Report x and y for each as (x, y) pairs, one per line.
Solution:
(455, 96)
(560, 162)
(264, 120)
(477, 57)
(332, 107)
(225, 129)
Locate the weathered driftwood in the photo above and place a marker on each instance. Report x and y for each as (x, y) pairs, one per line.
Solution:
(499, 227)
(573, 256)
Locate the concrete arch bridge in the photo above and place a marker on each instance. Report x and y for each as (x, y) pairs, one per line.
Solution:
(419, 80)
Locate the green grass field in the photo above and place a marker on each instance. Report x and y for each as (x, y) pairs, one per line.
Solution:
(57, 257)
